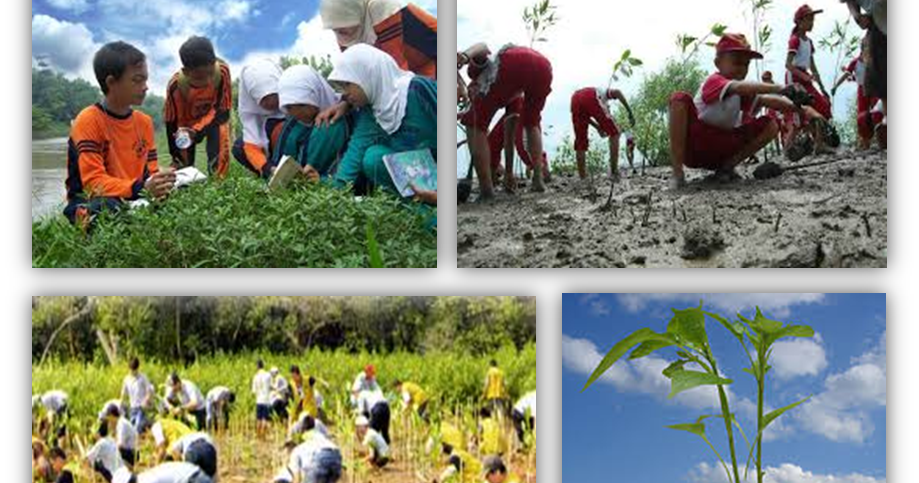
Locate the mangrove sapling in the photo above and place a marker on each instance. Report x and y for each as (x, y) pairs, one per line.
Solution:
(697, 366)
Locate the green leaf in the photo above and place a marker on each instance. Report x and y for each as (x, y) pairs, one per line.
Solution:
(778, 412)
(697, 428)
(735, 328)
(618, 350)
(650, 346)
(694, 428)
(684, 380)
(765, 326)
(674, 367)
(689, 325)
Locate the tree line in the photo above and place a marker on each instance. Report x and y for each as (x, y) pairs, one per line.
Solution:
(180, 329)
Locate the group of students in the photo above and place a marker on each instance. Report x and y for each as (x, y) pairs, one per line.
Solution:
(380, 99)
(177, 422)
(727, 122)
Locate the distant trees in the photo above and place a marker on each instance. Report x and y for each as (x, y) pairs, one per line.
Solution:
(56, 101)
(183, 328)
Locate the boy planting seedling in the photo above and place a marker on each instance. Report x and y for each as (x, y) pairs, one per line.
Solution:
(590, 107)
(507, 135)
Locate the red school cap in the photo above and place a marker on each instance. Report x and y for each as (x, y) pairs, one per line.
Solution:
(736, 43)
(805, 11)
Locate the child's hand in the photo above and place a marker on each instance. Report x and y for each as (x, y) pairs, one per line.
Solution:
(863, 21)
(332, 115)
(159, 185)
(424, 196)
(311, 173)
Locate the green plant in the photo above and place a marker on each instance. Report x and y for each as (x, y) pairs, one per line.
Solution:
(841, 43)
(686, 332)
(762, 32)
(624, 67)
(538, 19)
(236, 223)
(690, 45)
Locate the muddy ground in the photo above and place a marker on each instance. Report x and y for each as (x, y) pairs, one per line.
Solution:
(833, 215)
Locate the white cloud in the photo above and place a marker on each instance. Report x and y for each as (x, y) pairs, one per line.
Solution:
(642, 376)
(597, 304)
(64, 46)
(313, 39)
(777, 304)
(785, 473)
(798, 357)
(77, 6)
(842, 412)
(234, 9)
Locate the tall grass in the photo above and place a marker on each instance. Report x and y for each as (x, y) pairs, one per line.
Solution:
(236, 223)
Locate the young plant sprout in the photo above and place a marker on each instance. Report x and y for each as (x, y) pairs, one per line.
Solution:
(696, 366)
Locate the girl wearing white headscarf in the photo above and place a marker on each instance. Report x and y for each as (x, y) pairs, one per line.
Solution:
(303, 93)
(258, 113)
(396, 112)
(379, 23)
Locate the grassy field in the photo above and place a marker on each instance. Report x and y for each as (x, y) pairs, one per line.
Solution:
(453, 380)
(237, 223)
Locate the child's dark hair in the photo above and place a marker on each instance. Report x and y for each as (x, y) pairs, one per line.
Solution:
(197, 52)
(135, 364)
(113, 59)
(495, 465)
(57, 453)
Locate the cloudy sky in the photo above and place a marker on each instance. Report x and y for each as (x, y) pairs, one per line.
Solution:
(617, 427)
(66, 33)
(591, 35)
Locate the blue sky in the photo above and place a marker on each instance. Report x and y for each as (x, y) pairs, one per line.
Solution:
(615, 431)
(66, 33)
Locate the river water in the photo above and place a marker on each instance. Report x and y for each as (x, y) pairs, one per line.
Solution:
(49, 171)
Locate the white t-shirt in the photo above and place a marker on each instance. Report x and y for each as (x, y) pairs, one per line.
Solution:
(527, 402)
(366, 400)
(54, 401)
(105, 452)
(361, 383)
(188, 393)
(298, 427)
(280, 389)
(803, 48)
(303, 456)
(169, 473)
(136, 389)
(374, 440)
(261, 387)
(218, 394)
(182, 444)
(125, 434)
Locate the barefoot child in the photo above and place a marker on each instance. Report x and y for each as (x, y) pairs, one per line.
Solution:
(800, 63)
(507, 135)
(868, 119)
(871, 15)
(497, 80)
(590, 107)
(717, 130)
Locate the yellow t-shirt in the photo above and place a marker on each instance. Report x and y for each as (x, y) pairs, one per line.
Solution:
(493, 440)
(494, 384)
(170, 431)
(416, 393)
(471, 467)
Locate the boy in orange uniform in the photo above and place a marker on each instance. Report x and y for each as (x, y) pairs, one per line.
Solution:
(198, 103)
(111, 155)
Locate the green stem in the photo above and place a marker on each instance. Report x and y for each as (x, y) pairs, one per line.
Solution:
(726, 412)
(761, 382)
(723, 464)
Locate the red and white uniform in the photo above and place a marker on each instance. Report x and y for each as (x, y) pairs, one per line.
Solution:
(803, 49)
(496, 137)
(586, 105)
(509, 73)
(720, 125)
